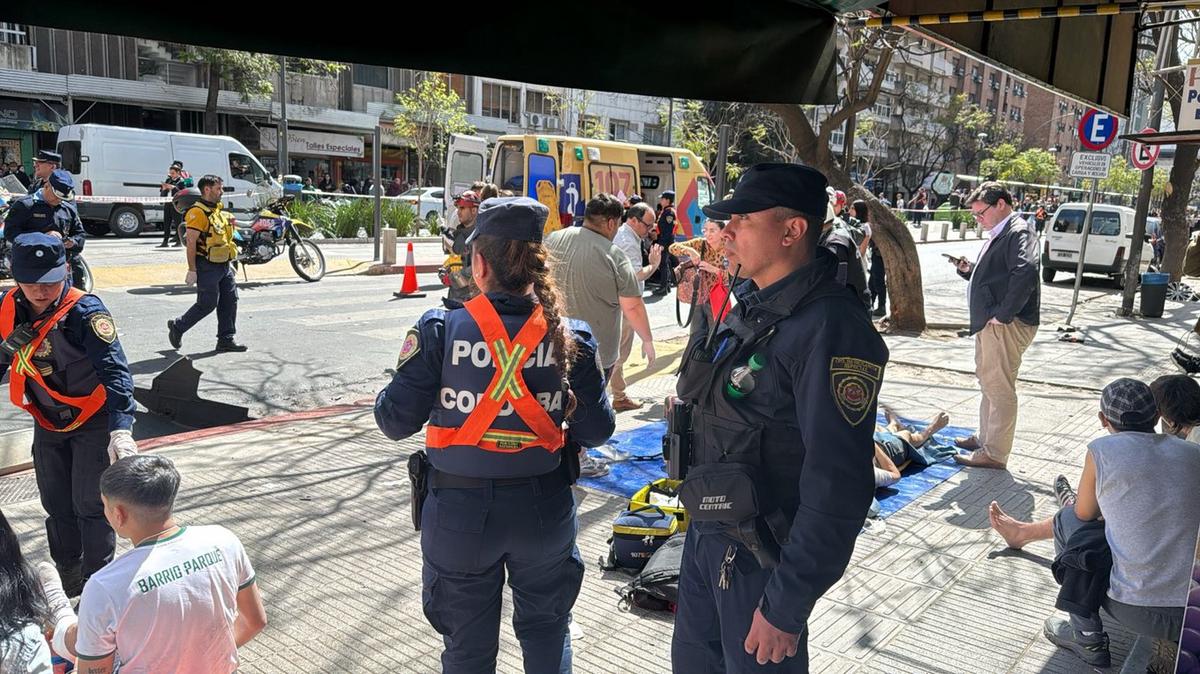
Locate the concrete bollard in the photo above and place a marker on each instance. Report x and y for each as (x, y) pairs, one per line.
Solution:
(924, 232)
(945, 231)
(978, 231)
(387, 246)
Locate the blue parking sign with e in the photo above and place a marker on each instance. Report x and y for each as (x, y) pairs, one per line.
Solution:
(1097, 130)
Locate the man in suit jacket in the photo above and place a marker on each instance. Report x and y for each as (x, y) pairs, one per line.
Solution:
(1003, 293)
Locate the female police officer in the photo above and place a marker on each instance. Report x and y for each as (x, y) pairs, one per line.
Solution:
(497, 379)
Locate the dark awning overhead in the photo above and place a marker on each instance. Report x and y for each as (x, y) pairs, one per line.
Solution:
(769, 51)
(1089, 57)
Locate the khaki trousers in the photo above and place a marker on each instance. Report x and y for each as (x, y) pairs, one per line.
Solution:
(998, 352)
(626, 348)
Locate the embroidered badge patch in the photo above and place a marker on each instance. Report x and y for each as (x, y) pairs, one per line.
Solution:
(854, 383)
(103, 326)
(410, 347)
(44, 349)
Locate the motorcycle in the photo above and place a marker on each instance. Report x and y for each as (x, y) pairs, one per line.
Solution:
(264, 239)
(81, 273)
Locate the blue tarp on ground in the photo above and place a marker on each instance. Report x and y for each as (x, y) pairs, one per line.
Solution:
(626, 477)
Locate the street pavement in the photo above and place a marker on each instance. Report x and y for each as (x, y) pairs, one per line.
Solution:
(321, 499)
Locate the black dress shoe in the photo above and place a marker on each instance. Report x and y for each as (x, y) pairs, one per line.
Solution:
(230, 345)
(174, 335)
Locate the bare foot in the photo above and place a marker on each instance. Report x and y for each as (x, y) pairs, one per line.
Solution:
(1012, 531)
(979, 459)
(938, 423)
(968, 443)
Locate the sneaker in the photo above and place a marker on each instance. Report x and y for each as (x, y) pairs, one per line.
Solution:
(592, 467)
(174, 336)
(228, 345)
(1091, 649)
(627, 405)
(1063, 492)
(52, 589)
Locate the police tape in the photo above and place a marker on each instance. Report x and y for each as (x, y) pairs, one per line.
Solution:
(102, 200)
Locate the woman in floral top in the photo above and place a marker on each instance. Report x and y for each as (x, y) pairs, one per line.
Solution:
(708, 252)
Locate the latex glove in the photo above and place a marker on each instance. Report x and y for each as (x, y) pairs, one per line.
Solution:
(190, 279)
(648, 352)
(120, 445)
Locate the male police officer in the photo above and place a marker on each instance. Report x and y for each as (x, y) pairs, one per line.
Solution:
(44, 163)
(783, 402)
(666, 237)
(67, 370)
(210, 256)
(49, 211)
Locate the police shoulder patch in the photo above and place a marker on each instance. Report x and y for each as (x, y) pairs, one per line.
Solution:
(410, 347)
(854, 384)
(104, 327)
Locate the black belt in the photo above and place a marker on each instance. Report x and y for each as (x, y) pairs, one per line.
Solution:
(546, 482)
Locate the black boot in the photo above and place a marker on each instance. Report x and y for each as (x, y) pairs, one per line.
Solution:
(72, 579)
(229, 345)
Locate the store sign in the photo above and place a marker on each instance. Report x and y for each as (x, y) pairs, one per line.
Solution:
(313, 143)
(16, 113)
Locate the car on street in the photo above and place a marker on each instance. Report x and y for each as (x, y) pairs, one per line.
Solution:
(427, 201)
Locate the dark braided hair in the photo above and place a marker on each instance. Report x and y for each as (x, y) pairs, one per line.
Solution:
(517, 265)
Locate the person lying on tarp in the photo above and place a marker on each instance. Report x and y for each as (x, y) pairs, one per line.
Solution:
(897, 445)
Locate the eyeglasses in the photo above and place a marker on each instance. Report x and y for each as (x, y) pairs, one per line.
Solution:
(979, 214)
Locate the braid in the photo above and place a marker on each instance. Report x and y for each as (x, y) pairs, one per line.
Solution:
(547, 294)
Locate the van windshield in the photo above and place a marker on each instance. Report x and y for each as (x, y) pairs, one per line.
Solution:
(1104, 223)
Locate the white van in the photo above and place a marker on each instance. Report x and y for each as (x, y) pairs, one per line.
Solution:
(117, 161)
(1108, 243)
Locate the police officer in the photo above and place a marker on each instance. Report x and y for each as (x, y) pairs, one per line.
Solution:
(210, 256)
(783, 402)
(666, 237)
(169, 188)
(50, 210)
(839, 240)
(68, 371)
(497, 379)
(462, 285)
(45, 162)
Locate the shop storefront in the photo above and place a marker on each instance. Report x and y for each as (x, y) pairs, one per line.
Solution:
(319, 155)
(26, 126)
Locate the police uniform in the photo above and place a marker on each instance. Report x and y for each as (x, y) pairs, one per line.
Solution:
(840, 241)
(666, 237)
(71, 376)
(32, 213)
(216, 285)
(170, 216)
(779, 479)
(499, 503)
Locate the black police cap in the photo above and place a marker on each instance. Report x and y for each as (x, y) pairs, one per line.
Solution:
(763, 186)
(512, 218)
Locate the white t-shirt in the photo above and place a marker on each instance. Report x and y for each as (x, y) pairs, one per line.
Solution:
(168, 605)
(630, 244)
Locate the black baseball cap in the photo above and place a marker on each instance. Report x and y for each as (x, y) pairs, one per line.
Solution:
(512, 218)
(763, 186)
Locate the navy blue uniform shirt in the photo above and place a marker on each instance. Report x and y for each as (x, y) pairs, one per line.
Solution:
(32, 214)
(403, 407)
(108, 359)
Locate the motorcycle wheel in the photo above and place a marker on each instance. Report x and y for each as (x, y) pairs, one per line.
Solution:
(307, 260)
(81, 275)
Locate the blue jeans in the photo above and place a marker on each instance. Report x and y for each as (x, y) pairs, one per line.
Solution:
(216, 288)
(470, 538)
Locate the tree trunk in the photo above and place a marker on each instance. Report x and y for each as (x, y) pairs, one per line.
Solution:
(421, 169)
(895, 242)
(210, 107)
(1183, 171)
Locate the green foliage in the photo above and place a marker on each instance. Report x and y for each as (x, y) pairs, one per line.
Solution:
(251, 74)
(1030, 166)
(429, 113)
(317, 215)
(400, 216)
(349, 216)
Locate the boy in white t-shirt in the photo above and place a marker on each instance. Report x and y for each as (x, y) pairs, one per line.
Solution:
(182, 600)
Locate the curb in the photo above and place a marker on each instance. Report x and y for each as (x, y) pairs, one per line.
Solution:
(379, 269)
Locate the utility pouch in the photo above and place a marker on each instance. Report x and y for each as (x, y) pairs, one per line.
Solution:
(677, 443)
(721, 492)
(21, 336)
(418, 477)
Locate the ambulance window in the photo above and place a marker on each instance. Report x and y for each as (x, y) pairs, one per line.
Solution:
(615, 179)
(510, 166)
(704, 191)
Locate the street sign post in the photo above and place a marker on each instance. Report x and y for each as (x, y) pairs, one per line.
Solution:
(1092, 165)
(1097, 130)
(1143, 156)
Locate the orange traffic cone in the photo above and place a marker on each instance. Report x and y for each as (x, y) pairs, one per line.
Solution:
(409, 287)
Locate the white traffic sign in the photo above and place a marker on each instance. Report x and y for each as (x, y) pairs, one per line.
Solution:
(1090, 165)
(1189, 108)
(1143, 156)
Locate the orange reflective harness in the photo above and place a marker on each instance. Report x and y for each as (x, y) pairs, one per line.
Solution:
(23, 367)
(507, 385)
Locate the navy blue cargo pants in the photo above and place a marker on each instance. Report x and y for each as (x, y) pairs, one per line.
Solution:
(216, 288)
(471, 538)
(711, 623)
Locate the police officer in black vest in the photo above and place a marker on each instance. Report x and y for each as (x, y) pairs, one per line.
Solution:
(782, 399)
(498, 379)
(67, 370)
(45, 162)
(666, 237)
